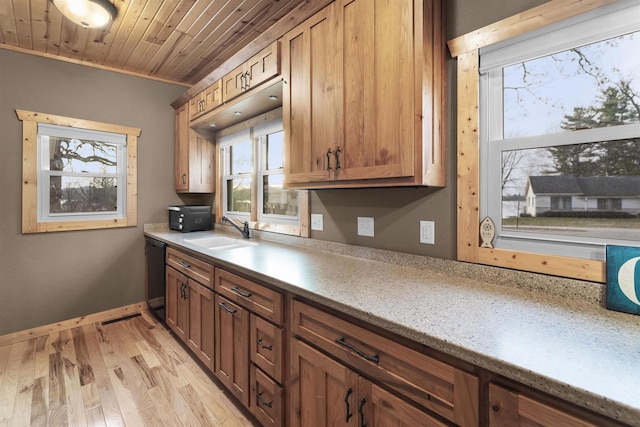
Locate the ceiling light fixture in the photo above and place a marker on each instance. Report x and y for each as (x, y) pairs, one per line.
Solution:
(87, 13)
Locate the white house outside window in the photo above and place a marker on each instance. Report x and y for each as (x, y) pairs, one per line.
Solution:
(560, 135)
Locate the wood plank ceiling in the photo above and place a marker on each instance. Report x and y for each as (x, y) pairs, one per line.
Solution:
(179, 41)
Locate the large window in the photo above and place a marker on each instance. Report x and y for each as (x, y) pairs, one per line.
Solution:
(252, 165)
(560, 136)
(77, 174)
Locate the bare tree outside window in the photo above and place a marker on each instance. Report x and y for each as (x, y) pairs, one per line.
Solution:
(585, 189)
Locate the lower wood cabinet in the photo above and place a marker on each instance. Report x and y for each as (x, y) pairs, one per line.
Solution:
(511, 408)
(201, 321)
(177, 312)
(325, 393)
(190, 314)
(232, 347)
(446, 390)
(336, 373)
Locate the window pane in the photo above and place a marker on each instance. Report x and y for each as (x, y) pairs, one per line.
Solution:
(275, 150)
(239, 195)
(585, 87)
(276, 200)
(82, 195)
(79, 155)
(240, 155)
(587, 190)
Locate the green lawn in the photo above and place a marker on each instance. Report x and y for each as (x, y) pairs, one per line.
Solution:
(573, 222)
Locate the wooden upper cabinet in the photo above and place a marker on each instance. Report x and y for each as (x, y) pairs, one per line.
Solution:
(260, 68)
(364, 104)
(206, 100)
(309, 105)
(194, 157)
(378, 89)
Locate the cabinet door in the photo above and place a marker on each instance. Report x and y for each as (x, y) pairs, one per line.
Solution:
(200, 333)
(378, 83)
(263, 65)
(312, 114)
(323, 391)
(511, 409)
(194, 157)
(234, 83)
(213, 96)
(232, 347)
(379, 408)
(181, 149)
(177, 305)
(201, 164)
(196, 107)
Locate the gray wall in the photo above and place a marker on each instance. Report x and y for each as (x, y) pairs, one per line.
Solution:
(49, 277)
(398, 211)
(45, 278)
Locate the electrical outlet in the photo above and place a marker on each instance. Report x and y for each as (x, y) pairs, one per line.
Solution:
(365, 226)
(317, 223)
(428, 232)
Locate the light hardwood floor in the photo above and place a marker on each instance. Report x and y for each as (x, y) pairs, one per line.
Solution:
(128, 373)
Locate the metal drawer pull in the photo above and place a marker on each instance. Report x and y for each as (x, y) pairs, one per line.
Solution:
(329, 153)
(262, 402)
(346, 402)
(361, 412)
(184, 264)
(375, 358)
(227, 308)
(266, 347)
(337, 154)
(239, 292)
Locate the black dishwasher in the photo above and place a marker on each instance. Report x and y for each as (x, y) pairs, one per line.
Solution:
(154, 289)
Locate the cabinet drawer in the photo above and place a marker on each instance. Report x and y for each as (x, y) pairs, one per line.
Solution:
(509, 408)
(252, 296)
(198, 270)
(438, 386)
(265, 347)
(266, 398)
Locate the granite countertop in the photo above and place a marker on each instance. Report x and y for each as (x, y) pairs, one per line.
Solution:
(578, 352)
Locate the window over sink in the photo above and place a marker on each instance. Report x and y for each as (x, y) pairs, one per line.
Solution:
(252, 177)
(77, 174)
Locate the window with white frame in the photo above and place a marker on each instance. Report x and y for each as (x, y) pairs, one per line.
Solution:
(77, 174)
(560, 135)
(253, 176)
(82, 174)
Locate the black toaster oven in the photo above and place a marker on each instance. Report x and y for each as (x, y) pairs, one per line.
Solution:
(190, 218)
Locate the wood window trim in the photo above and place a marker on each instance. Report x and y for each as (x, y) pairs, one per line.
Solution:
(30, 222)
(466, 49)
(301, 230)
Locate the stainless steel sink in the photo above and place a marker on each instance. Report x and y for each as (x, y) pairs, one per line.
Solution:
(219, 242)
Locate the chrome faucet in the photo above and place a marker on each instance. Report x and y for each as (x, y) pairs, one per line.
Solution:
(245, 226)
